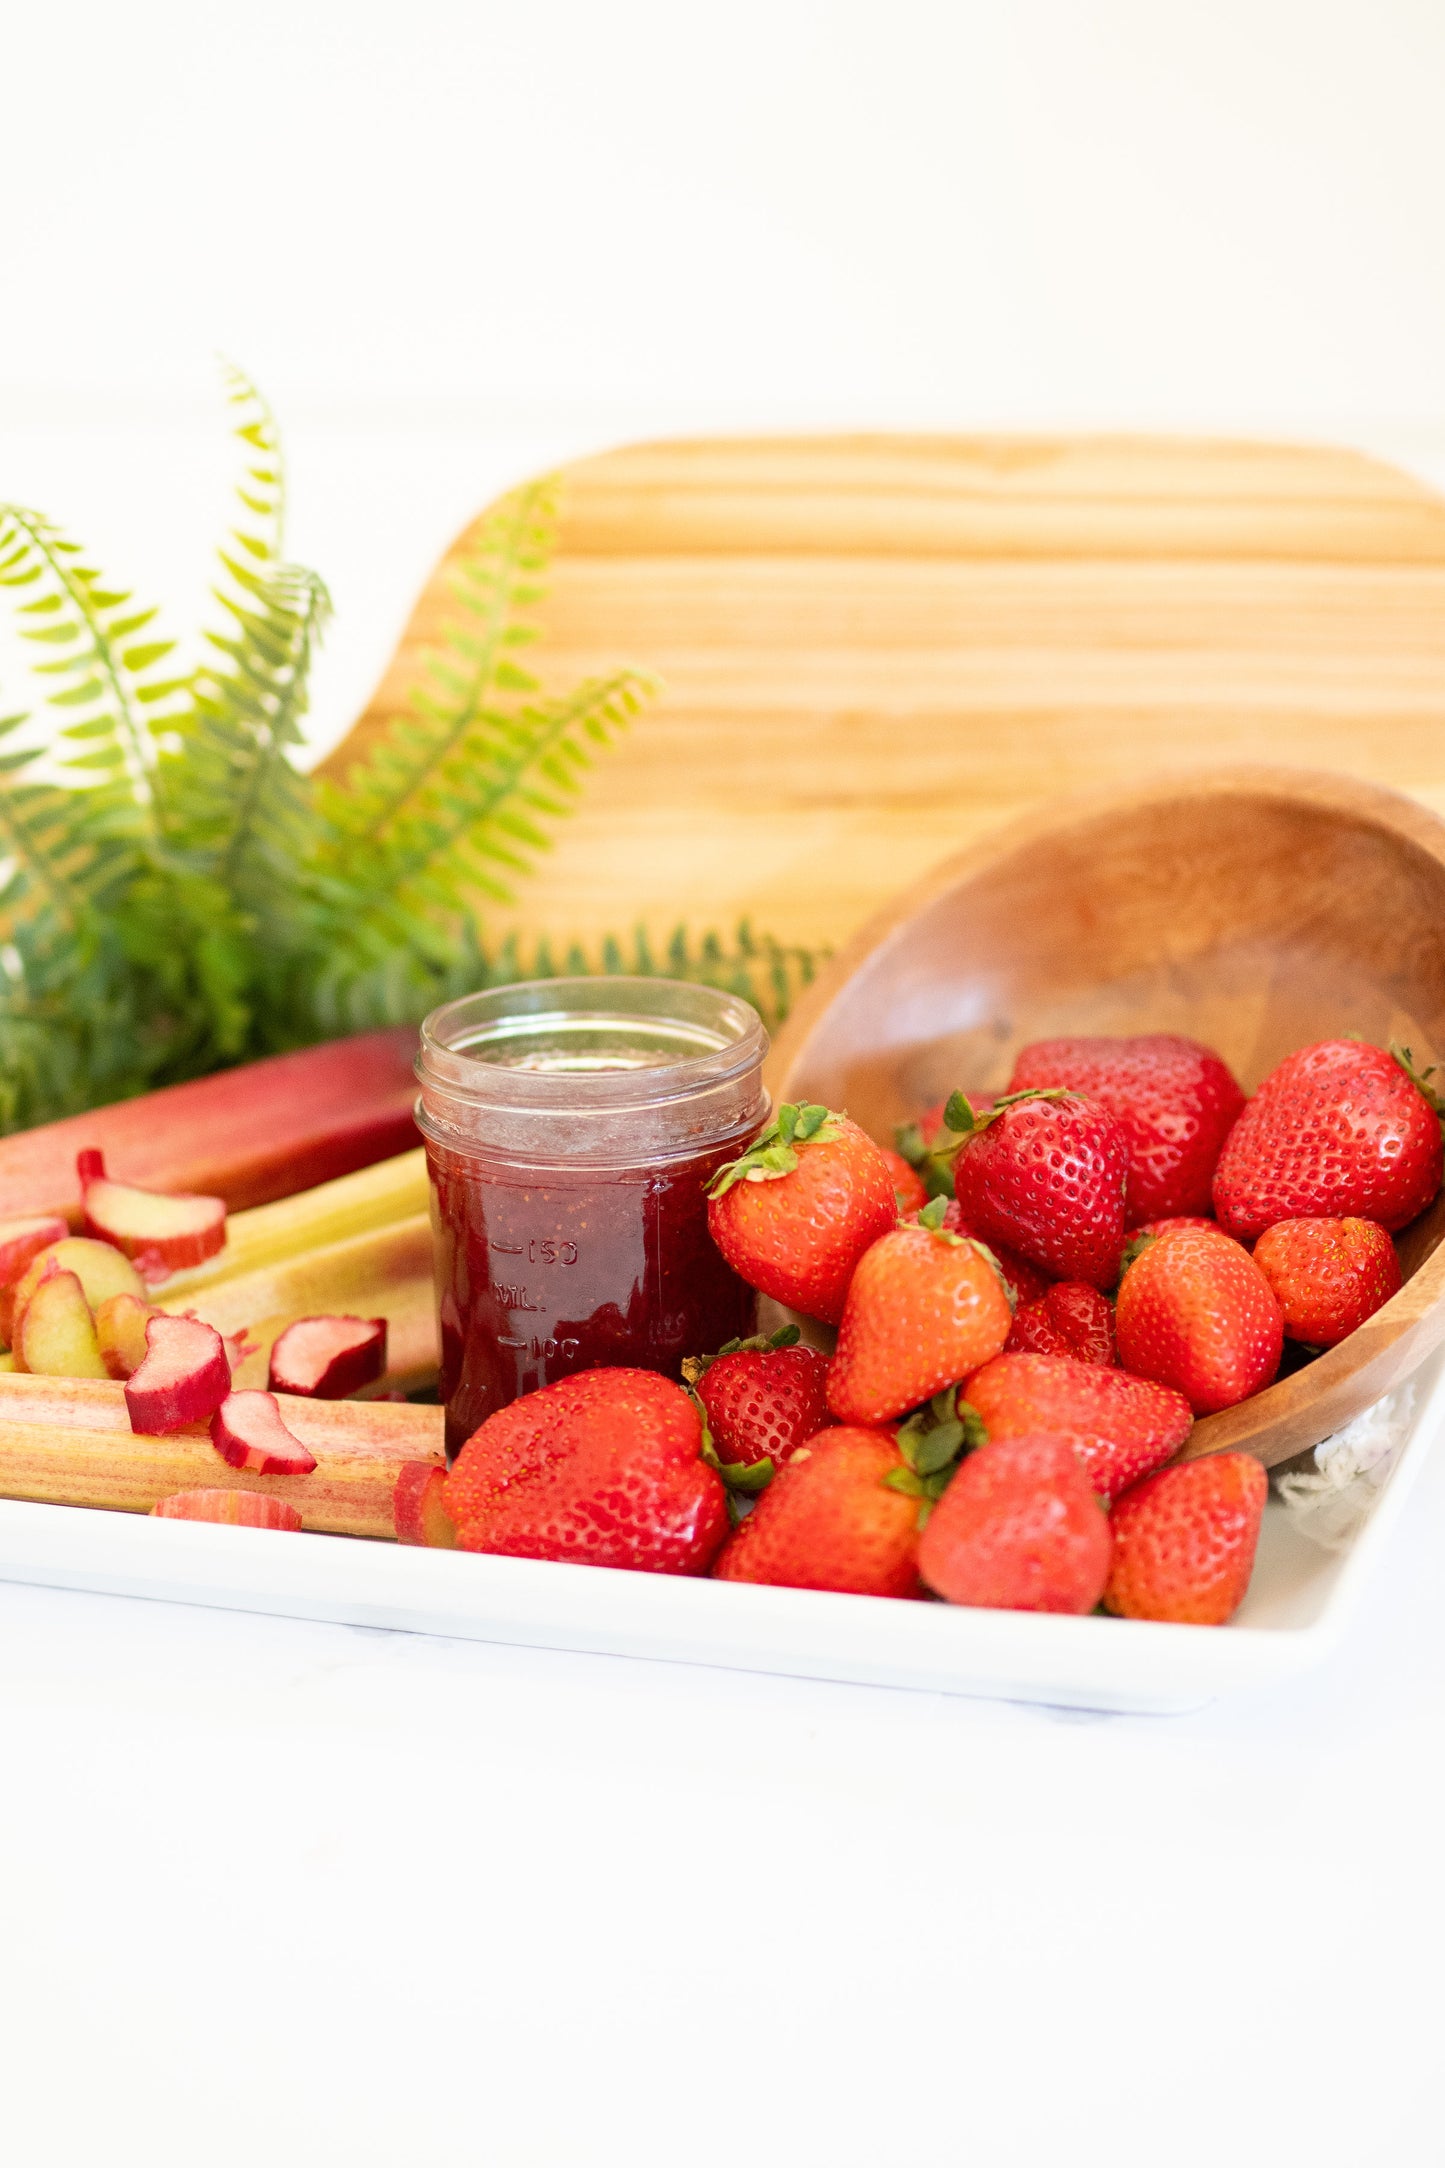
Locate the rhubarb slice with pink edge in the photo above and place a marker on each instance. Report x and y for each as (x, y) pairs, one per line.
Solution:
(325, 1358)
(231, 1508)
(417, 1506)
(184, 1378)
(162, 1233)
(248, 1432)
(57, 1333)
(120, 1328)
(99, 1267)
(22, 1239)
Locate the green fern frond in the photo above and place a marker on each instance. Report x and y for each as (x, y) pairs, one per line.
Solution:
(100, 669)
(455, 798)
(176, 893)
(770, 974)
(472, 662)
(261, 490)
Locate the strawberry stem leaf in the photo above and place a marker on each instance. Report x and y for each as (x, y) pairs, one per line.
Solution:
(1420, 1078)
(771, 1153)
(1133, 1250)
(758, 1343)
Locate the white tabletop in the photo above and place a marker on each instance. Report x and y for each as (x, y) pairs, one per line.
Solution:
(293, 1893)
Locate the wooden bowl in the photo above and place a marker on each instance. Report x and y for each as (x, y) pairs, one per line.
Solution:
(1257, 909)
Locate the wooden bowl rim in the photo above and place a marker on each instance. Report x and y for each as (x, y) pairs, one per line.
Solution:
(1370, 803)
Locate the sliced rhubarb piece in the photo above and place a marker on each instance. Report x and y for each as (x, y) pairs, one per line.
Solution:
(184, 1378)
(169, 1232)
(57, 1332)
(232, 1508)
(99, 1267)
(120, 1328)
(247, 1432)
(325, 1358)
(421, 1517)
(248, 1135)
(22, 1239)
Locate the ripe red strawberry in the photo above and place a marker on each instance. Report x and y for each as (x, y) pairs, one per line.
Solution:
(924, 1309)
(1024, 1281)
(1121, 1427)
(1328, 1275)
(1018, 1529)
(831, 1519)
(1068, 1319)
(1175, 1100)
(762, 1398)
(1158, 1226)
(603, 1469)
(1195, 1312)
(796, 1212)
(1045, 1173)
(1337, 1130)
(908, 1184)
(1184, 1541)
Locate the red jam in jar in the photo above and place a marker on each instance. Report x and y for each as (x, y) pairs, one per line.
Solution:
(572, 1128)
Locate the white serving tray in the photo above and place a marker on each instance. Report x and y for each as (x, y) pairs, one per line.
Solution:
(1298, 1605)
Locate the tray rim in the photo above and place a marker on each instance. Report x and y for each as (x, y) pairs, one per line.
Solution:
(1119, 1664)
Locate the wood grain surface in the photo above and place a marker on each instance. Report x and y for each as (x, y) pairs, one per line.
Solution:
(875, 650)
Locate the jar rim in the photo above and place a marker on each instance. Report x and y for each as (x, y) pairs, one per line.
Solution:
(719, 1036)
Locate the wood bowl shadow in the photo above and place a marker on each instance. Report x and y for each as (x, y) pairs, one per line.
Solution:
(1255, 909)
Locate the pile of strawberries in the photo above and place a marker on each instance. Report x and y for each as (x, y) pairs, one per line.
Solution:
(1034, 1298)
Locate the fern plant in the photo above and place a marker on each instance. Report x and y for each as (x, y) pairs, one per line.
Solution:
(177, 893)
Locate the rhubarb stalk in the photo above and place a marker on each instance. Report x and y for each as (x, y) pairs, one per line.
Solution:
(68, 1441)
(386, 1273)
(356, 1204)
(248, 1135)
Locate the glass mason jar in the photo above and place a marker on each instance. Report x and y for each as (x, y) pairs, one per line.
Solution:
(572, 1128)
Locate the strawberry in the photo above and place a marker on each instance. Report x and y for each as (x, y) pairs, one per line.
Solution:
(1044, 1173)
(603, 1468)
(796, 1212)
(1337, 1130)
(1328, 1275)
(1174, 1099)
(1018, 1529)
(832, 1519)
(908, 1184)
(762, 1398)
(924, 1309)
(1070, 1319)
(1024, 1281)
(1195, 1312)
(1158, 1226)
(1121, 1427)
(1184, 1541)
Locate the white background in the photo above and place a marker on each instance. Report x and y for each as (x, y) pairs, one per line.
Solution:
(455, 240)
(274, 1893)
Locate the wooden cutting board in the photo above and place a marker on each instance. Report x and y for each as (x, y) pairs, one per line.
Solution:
(877, 648)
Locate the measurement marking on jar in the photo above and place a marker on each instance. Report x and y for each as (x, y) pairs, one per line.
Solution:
(541, 1350)
(540, 1250)
(514, 1298)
